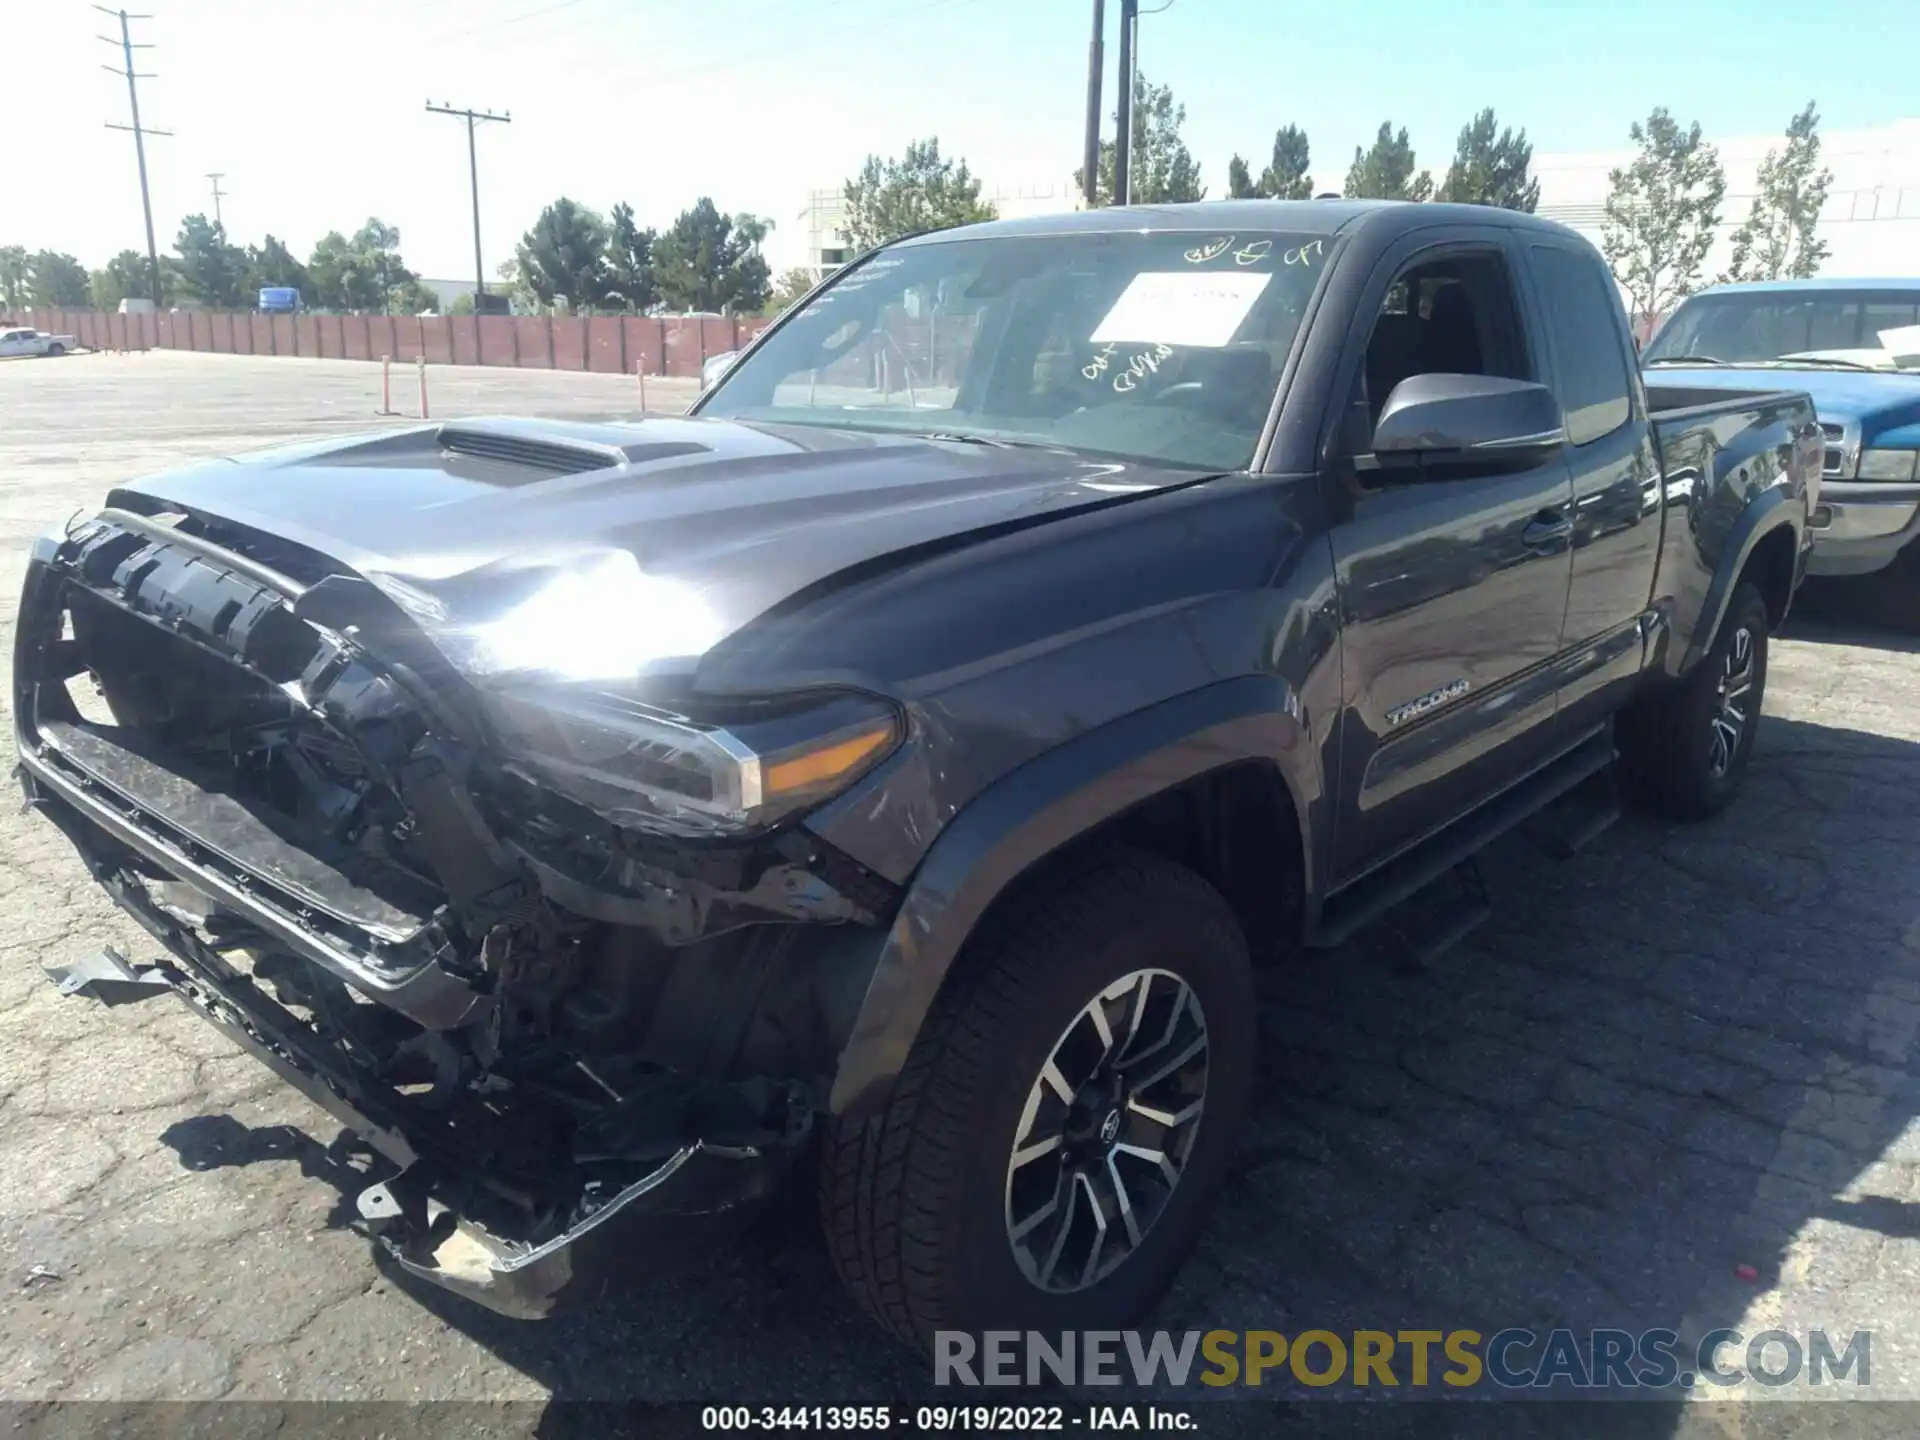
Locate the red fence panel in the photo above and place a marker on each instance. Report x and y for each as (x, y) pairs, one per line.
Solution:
(497, 334)
(149, 330)
(535, 340)
(330, 340)
(569, 342)
(717, 337)
(306, 335)
(644, 344)
(260, 334)
(604, 352)
(680, 347)
(465, 331)
(437, 339)
(282, 331)
(162, 329)
(354, 341)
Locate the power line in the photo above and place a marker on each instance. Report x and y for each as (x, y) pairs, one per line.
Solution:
(216, 176)
(503, 23)
(473, 119)
(140, 132)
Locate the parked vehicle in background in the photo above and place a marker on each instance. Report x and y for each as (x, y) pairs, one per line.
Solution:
(1854, 346)
(901, 768)
(279, 300)
(136, 305)
(21, 341)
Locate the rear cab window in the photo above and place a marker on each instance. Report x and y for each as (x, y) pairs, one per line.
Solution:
(1589, 349)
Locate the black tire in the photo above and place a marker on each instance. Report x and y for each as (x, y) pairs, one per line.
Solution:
(56, 349)
(1668, 749)
(916, 1201)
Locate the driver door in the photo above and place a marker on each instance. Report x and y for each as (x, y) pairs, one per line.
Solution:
(1452, 585)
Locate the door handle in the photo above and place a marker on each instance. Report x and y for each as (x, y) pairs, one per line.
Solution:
(1547, 530)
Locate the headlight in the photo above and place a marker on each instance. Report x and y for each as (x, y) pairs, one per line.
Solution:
(1889, 464)
(645, 768)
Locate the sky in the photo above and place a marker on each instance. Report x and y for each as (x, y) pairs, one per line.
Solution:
(314, 110)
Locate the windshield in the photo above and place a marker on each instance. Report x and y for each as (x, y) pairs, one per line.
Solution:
(1159, 347)
(1845, 329)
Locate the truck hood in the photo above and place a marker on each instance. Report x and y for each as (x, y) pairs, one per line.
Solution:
(699, 525)
(1881, 403)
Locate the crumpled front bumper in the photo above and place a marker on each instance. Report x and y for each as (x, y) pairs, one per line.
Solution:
(694, 1200)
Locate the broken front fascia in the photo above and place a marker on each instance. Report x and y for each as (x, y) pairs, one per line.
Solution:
(356, 661)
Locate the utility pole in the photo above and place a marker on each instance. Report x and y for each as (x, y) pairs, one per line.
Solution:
(216, 176)
(474, 117)
(1096, 63)
(127, 47)
(1123, 137)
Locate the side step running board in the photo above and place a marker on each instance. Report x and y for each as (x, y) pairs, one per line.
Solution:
(1356, 906)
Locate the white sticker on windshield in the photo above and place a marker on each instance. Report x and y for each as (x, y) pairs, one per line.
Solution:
(1181, 307)
(1903, 343)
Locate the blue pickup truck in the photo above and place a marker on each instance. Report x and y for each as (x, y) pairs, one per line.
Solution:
(1854, 345)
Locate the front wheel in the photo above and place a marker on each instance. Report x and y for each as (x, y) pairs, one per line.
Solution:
(1067, 1108)
(1684, 748)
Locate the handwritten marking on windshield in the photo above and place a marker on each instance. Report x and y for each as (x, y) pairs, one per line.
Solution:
(1252, 251)
(1304, 254)
(1097, 367)
(1138, 367)
(1212, 250)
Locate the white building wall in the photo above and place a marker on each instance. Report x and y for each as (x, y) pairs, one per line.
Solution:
(820, 223)
(1871, 222)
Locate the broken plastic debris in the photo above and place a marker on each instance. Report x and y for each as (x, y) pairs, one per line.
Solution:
(1747, 1273)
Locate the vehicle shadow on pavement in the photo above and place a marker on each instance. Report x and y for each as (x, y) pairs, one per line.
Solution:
(1670, 1084)
(214, 1142)
(1844, 612)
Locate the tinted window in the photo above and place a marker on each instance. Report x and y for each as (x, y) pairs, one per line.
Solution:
(1595, 384)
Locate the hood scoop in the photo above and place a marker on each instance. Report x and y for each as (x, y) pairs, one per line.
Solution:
(551, 450)
(515, 447)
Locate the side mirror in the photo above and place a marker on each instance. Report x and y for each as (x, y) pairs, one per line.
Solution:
(1474, 420)
(715, 367)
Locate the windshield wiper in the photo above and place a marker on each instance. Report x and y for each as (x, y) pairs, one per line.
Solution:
(958, 438)
(1796, 362)
(1684, 360)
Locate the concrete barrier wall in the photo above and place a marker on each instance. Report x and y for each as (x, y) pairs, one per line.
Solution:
(604, 344)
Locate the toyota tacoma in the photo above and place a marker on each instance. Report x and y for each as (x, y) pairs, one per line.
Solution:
(899, 765)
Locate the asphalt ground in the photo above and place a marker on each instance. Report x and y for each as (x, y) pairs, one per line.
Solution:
(1673, 1083)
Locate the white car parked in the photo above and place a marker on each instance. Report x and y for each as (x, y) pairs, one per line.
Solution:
(33, 342)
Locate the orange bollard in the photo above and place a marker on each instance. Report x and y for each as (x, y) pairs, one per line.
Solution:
(423, 387)
(386, 385)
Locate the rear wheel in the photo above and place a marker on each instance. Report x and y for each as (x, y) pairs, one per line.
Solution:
(1070, 1103)
(56, 348)
(1684, 748)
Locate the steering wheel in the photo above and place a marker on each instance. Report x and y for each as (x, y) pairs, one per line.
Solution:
(1183, 390)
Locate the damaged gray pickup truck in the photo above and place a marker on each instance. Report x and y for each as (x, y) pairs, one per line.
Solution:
(899, 765)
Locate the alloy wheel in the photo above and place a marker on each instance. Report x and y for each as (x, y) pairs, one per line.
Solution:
(1731, 713)
(1107, 1130)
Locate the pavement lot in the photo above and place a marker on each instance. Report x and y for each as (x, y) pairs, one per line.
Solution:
(1685, 1052)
